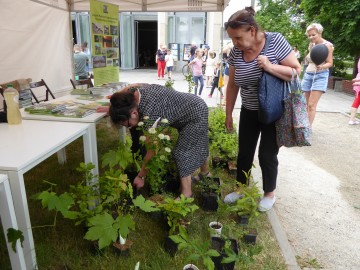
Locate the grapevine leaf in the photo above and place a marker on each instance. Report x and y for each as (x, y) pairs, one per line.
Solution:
(102, 230)
(145, 205)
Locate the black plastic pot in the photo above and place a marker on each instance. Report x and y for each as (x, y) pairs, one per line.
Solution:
(208, 201)
(122, 250)
(243, 220)
(232, 168)
(250, 236)
(218, 244)
(218, 162)
(170, 246)
(172, 184)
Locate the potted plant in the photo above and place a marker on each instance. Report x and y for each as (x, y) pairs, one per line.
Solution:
(169, 84)
(246, 208)
(190, 267)
(209, 188)
(156, 140)
(195, 249)
(240, 258)
(223, 145)
(105, 206)
(222, 211)
(191, 83)
(215, 228)
(222, 246)
(177, 212)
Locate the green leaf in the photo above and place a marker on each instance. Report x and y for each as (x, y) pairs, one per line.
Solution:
(209, 264)
(14, 235)
(145, 205)
(102, 230)
(124, 224)
(213, 253)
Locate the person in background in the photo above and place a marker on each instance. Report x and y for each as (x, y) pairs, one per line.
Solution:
(169, 59)
(226, 51)
(216, 80)
(160, 60)
(209, 69)
(196, 65)
(80, 60)
(246, 64)
(185, 112)
(193, 49)
(85, 49)
(354, 107)
(315, 80)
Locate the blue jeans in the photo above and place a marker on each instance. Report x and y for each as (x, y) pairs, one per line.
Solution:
(196, 80)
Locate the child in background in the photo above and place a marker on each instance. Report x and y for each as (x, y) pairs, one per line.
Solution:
(169, 59)
(196, 65)
(209, 69)
(216, 80)
(353, 120)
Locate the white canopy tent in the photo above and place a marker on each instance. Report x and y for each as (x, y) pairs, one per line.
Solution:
(37, 37)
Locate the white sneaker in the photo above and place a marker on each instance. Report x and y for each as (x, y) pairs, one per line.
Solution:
(266, 204)
(356, 122)
(232, 197)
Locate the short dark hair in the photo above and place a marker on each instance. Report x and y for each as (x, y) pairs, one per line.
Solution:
(121, 104)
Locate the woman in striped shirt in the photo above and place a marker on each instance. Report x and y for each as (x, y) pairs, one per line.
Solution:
(247, 62)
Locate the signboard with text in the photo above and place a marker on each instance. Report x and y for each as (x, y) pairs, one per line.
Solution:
(105, 41)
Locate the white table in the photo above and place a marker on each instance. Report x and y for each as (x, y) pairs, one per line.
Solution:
(8, 218)
(91, 119)
(24, 146)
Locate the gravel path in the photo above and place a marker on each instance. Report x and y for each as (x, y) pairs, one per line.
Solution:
(318, 194)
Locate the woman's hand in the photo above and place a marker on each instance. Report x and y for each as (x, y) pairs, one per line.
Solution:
(102, 109)
(229, 124)
(263, 62)
(139, 182)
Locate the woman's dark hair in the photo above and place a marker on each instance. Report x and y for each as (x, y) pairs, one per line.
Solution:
(121, 104)
(242, 18)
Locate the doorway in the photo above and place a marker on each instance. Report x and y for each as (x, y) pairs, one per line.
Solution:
(145, 44)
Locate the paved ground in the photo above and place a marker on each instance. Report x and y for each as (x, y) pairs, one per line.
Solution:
(317, 214)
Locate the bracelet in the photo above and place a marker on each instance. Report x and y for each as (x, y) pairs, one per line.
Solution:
(142, 177)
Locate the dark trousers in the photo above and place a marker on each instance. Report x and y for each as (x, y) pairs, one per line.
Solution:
(249, 132)
(215, 85)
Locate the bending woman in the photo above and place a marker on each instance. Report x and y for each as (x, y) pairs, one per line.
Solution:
(186, 112)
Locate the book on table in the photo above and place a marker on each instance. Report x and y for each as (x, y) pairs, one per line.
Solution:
(67, 108)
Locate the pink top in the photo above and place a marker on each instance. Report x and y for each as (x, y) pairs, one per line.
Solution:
(357, 87)
(196, 67)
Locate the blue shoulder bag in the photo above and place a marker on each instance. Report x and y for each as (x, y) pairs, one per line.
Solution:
(271, 93)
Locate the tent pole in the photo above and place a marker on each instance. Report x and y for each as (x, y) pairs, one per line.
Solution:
(69, 3)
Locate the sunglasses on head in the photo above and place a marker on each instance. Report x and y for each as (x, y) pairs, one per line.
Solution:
(235, 24)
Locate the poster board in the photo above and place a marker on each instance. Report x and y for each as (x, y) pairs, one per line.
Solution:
(186, 52)
(105, 41)
(175, 50)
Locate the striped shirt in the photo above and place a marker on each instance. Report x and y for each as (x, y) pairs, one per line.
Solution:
(247, 74)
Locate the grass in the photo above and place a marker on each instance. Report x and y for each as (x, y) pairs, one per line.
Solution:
(63, 246)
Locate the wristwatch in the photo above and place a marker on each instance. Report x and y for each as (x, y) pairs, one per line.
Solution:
(142, 177)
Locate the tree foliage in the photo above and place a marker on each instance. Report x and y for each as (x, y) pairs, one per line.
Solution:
(340, 19)
(341, 22)
(285, 17)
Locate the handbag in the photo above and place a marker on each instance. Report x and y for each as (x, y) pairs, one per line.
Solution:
(293, 128)
(271, 93)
